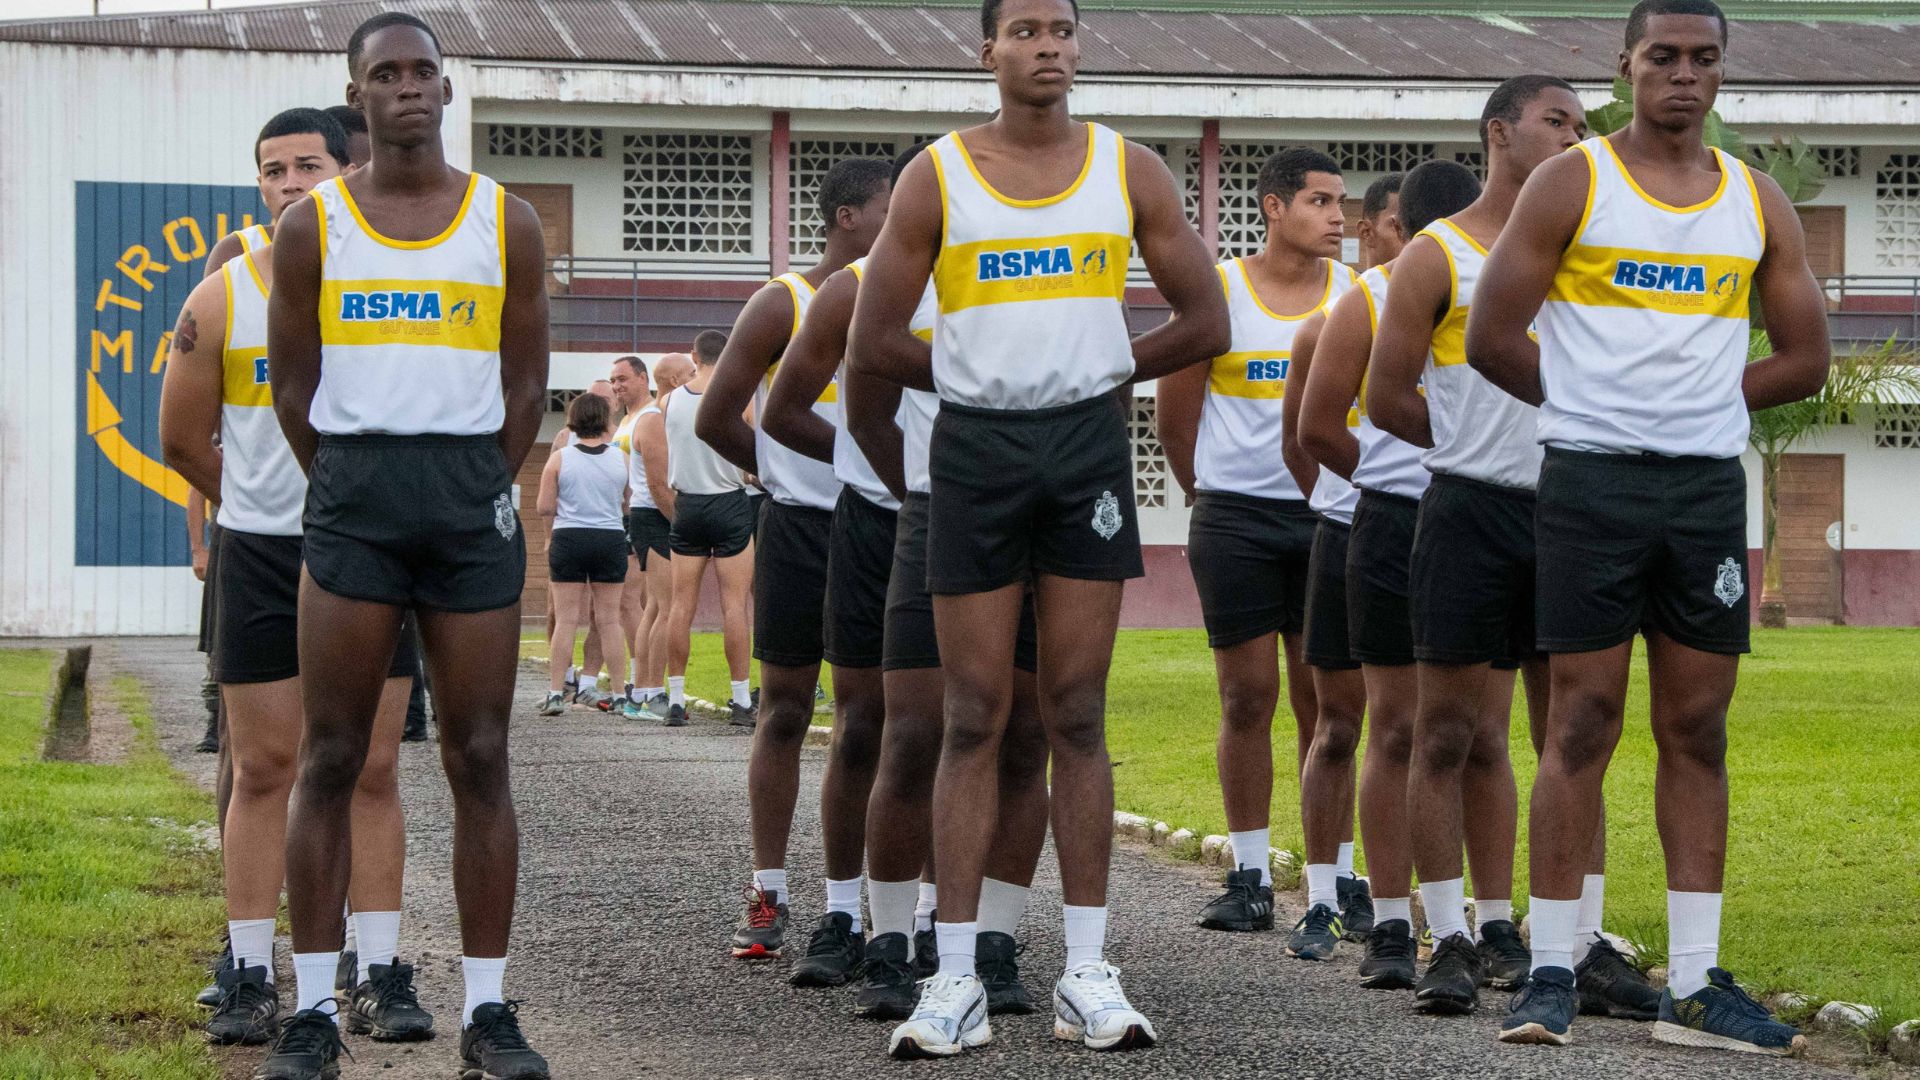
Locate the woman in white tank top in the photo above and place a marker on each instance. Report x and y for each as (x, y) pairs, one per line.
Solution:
(582, 490)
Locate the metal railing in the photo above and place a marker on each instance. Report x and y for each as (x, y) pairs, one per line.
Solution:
(1865, 310)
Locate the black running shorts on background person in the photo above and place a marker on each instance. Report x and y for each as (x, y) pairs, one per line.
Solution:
(790, 584)
(1249, 560)
(859, 562)
(257, 607)
(1471, 581)
(1379, 626)
(1327, 599)
(711, 526)
(415, 520)
(648, 532)
(209, 595)
(1023, 492)
(910, 640)
(1629, 542)
(587, 556)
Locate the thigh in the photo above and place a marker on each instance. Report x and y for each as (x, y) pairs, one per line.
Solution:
(263, 720)
(1594, 542)
(1088, 528)
(570, 605)
(473, 660)
(346, 649)
(909, 640)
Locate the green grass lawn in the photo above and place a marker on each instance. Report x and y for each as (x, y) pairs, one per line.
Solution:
(1823, 894)
(105, 903)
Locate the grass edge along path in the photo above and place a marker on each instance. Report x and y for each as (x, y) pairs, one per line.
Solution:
(107, 902)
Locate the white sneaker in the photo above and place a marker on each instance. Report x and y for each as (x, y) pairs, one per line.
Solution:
(950, 1017)
(1089, 1005)
(554, 705)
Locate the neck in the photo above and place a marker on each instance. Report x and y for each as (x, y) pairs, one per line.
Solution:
(407, 168)
(1033, 125)
(1504, 181)
(1285, 265)
(841, 250)
(1671, 144)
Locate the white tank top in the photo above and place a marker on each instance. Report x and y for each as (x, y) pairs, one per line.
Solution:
(1241, 423)
(1032, 292)
(639, 495)
(590, 487)
(693, 467)
(790, 476)
(1643, 336)
(850, 463)
(253, 238)
(1387, 464)
(1480, 431)
(919, 408)
(410, 330)
(262, 489)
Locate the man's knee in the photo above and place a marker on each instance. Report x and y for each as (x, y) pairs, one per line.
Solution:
(476, 764)
(263, 774)
(1699, 741)
(329, 764)
(1582, 727)
(1247, 704)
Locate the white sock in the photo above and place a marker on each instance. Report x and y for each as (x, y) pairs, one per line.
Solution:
(1486, 911)
(633, 670)
(652, 692)
(741, 695)
(1323, 885)
(379, 938)
(1693, 929)
(352, 941)
(313, 979)
(923, 911)
(573, 675)
(1345, 859)
(252, 941)
(484, 975)
(1252, 849)
(1593, 904)
(1552, 922)
(1387, 909)
(1001, 905)
(676, 690)
(844, 896)
(1446, 904)
(773, 883)
(956, 946)
(1086, 934)
(892, 903)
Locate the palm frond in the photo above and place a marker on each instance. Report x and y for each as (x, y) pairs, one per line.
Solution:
(1857, 384)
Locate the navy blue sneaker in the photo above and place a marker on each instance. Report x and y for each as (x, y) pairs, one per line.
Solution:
(1611, 986)
(1722, 1017)
(1542, 1012)
(1316, 936)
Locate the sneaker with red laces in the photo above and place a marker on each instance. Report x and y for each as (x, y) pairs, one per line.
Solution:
(763, 929)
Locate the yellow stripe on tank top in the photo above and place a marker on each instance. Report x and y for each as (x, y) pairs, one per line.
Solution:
(1667, 282)
(827, 397)
(440, 314)
(1011, 271)
(1258, 374)
(243, 378)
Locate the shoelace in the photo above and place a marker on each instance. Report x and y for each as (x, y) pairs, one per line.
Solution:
(1532, 986)
(1746, 1004)
(761, 911)
(1101, 984)
(826, 941)
(395, 987)
(1454, 954)
(1383, 944)
(245, 995)
(941, 995)
(310, 1032)
(1320, 920)
(1004, 967)
(875, 967)
(501, 1030)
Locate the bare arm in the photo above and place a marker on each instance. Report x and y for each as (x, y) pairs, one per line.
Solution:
(190, 394)
(1180, 399)
(227, 249)
(547, 503)
(1181, 269)
(871, 407)
(808, 366)
(1306, 471)
(1417, 296)
(1339, 363)
(1518, 273)
(879, 342)
(650, 442)
(197, 531)
(1791, 307)
(762, 330)
(293, 326)
(523, 333)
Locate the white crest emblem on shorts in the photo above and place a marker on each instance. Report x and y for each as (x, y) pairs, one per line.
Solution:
(1106, 515)
(504, 518)
(1728, 586)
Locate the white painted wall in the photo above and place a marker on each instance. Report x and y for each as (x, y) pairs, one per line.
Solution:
(1881, 508)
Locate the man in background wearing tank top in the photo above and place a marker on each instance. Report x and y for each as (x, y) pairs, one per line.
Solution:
(790, 581)
(1641, 296)
(442, 395)
(1031, 470)
(650, 527)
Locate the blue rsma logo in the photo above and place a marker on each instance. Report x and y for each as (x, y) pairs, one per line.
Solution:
(1030, 263)
(391, 304)
(260, 371)
(1267, 371)
(1660, 277)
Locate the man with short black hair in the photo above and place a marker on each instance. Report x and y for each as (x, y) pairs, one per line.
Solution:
(359, 146)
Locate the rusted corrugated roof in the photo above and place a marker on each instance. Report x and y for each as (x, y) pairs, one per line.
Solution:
(937, 37)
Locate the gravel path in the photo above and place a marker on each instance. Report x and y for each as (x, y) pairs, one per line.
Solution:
(634, 850)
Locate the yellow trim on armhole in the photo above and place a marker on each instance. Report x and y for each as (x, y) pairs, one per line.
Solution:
(793, 294)
(500, 224)
(253, 269)
(1593, 189)
(226, 333)
(858, 274)
(1453, 267)
(320, 216)
(940, 179)
(1753, 190)
(1125, 194)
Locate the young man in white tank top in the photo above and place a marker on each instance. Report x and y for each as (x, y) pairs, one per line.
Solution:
(631, 394)
(790, 576)
(1025, 224)
(433, 380)
(1641, 295)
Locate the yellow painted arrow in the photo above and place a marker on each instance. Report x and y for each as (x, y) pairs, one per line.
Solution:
(103, 423)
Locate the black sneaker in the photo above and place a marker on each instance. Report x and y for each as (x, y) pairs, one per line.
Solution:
(347, 974)
(763, 929)
(210, 994)
(1451, 986)
(745, 716)
(676, 716)
(887, 990)
(996, 957)
(926, 951)
(1388, 964)
(415, 730)
(210, 742)
(1611, 986)
(1720, 1016)
(492, 1048)
(248, 1010)
(1356, 907)
(834, 952)
(1246, 905)
(1507, 957)
(308, 1048)
(386, 1006)
(1316, 936)
(1542, 1012)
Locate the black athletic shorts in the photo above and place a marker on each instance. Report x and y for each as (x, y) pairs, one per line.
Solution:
(790, 584)
(208, 595)
(649, 532)
(859, 562)
(587, 556)
(1632, 542)
(257, 602)
(1023, 492)
(910, 638)
(1327, 645)
(1249, 561)
(415, 520)
(1379, 625)
(1471, 579)
(711, 526)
